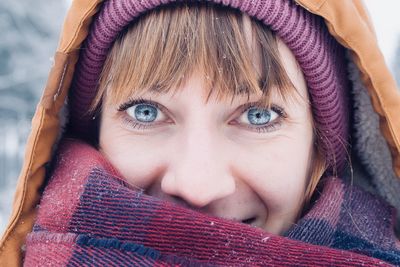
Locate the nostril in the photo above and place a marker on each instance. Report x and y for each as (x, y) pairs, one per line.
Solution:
(249, 220)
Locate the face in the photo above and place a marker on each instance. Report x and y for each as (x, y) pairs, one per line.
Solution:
(231, 159)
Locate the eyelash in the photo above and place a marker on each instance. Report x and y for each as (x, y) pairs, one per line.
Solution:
(274, 125)
(137, 101)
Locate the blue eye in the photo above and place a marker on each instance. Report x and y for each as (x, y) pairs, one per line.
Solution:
(261, 119)
(260, 116)
(143, 113)
(257, 116)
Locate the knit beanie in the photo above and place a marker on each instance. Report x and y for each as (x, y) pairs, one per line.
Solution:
(320, 57)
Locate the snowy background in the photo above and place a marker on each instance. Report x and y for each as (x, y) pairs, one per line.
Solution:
(29, 33)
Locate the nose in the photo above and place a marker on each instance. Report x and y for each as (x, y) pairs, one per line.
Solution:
(199, 173)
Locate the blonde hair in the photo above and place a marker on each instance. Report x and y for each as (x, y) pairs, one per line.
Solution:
(160, 50)
(174, 40)
(317, 170)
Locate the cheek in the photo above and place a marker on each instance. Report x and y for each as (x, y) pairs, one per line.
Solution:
(136, 157)
(277, 171)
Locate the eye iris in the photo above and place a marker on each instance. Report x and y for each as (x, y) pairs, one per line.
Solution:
(145, 113)
(258, 116)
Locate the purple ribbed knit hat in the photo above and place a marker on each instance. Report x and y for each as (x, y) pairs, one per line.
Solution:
(320, 57)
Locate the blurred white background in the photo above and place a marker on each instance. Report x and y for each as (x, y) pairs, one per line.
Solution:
(29, 32)
(385, 15)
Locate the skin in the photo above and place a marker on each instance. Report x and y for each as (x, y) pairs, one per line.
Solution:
(209, 156)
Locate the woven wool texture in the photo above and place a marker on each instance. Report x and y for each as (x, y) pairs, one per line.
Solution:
(320, 57)
(91, 216)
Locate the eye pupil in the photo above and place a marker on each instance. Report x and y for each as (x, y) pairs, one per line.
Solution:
(258, 116)
(145, 113)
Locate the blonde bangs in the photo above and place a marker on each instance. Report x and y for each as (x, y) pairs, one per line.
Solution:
(161, 49)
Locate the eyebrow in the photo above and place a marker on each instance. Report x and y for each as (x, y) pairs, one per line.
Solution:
(241, 92)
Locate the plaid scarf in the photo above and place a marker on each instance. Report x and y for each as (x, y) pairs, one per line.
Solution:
(88, 215)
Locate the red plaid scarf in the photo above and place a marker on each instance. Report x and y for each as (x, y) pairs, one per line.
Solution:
(88, 215)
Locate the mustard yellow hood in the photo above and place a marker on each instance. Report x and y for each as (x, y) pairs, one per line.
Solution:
(347, 21)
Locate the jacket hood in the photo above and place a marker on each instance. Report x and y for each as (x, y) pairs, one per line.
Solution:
(376, 105)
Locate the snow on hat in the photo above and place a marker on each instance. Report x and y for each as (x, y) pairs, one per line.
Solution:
(319, 55)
